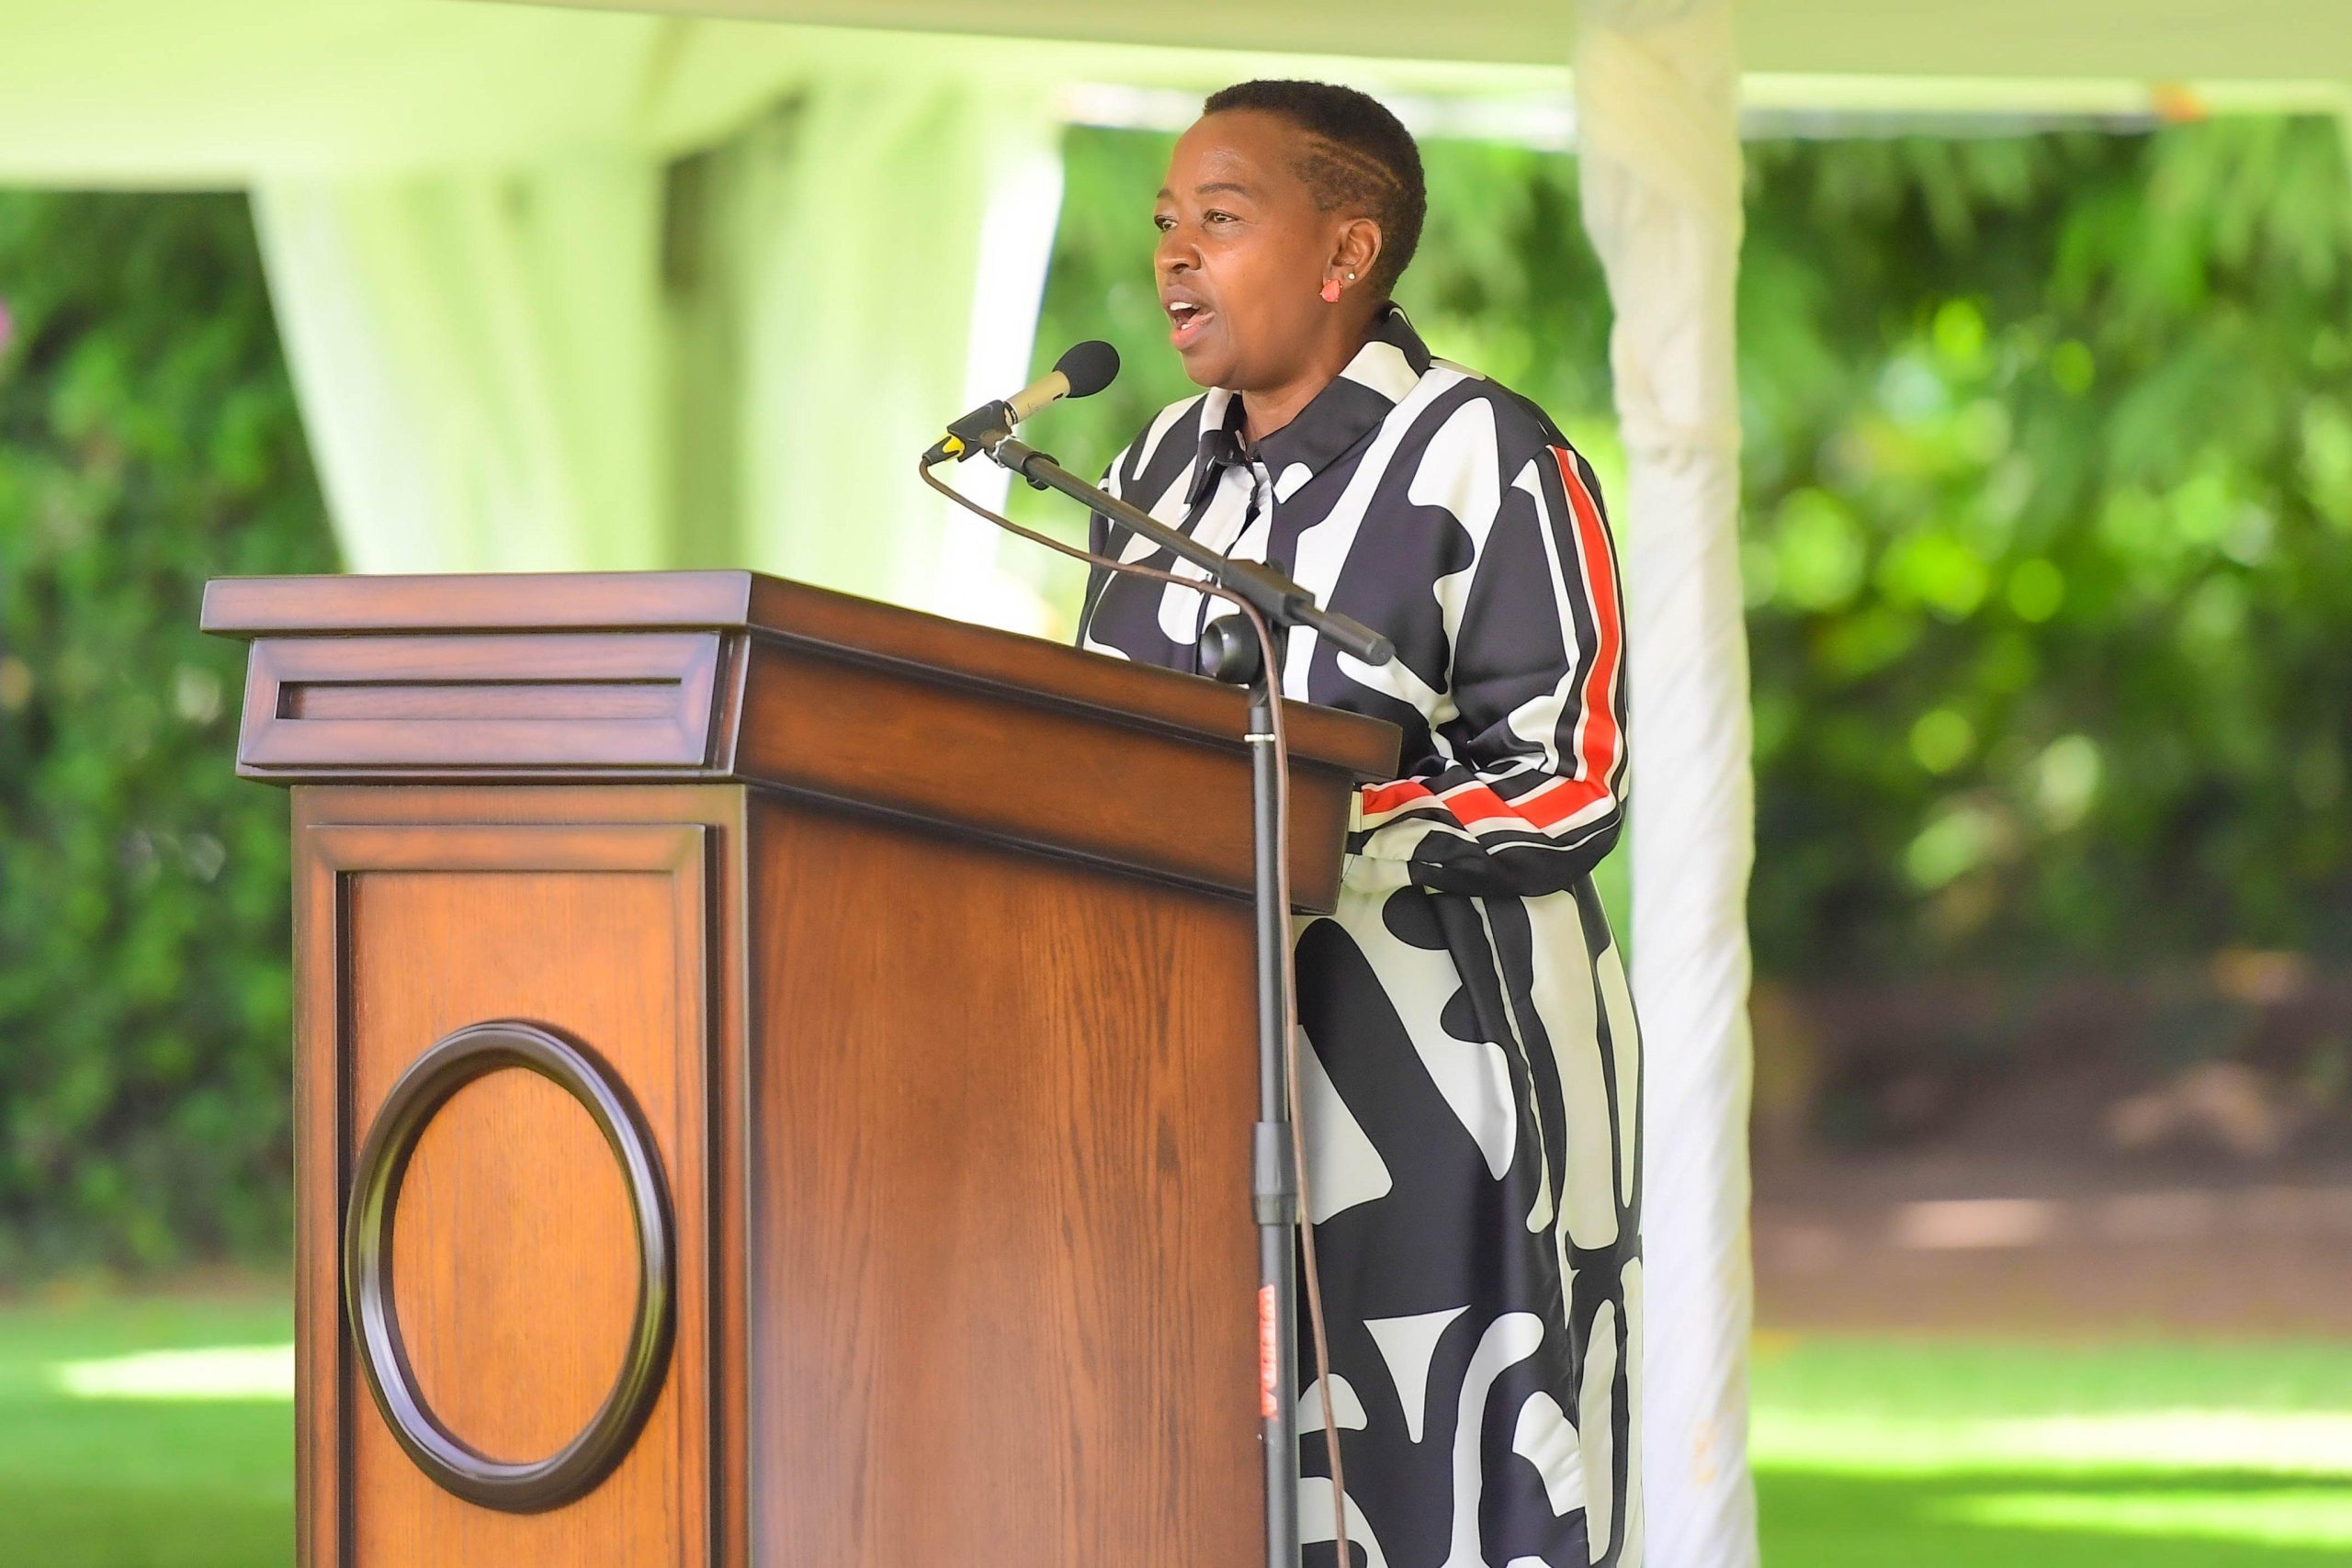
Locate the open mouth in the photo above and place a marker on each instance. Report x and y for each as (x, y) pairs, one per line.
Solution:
(1185, 322)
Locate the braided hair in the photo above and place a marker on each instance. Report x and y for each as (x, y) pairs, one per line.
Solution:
(1358, 159)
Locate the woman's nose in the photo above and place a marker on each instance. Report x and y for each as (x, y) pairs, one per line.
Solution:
(1175, 253)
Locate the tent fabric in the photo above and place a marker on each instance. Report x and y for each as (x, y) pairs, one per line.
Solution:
(574, 366)
(149, 95)
(860, 229)
(475, 356)
(1657, 114)
(2144, 41)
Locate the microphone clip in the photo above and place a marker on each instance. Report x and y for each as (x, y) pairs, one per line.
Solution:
(975, 432)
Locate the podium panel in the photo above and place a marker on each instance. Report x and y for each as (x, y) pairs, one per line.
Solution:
(1004, 1258)
(513, 1262)
(774, 1077)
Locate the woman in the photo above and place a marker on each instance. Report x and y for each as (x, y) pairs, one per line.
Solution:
(1472, 1094)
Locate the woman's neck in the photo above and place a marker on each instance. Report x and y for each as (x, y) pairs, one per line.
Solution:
(1265, 410)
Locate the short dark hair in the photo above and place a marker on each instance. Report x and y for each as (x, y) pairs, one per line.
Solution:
(1366, 161)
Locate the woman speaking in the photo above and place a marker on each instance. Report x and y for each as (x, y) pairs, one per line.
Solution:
(1472, 1094)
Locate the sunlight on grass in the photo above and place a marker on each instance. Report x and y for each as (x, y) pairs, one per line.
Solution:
(1949, 1454)
(225, 1371)
(159, 1434)
(2276, 1442)
(147, 1433)
(2306, 1516)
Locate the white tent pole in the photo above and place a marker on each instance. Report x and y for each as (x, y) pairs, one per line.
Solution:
(1657, 84)
(2344, 124)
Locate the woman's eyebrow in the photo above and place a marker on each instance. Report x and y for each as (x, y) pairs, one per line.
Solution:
(1213, 186)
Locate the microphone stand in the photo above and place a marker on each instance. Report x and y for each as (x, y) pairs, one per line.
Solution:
(1273, 1190)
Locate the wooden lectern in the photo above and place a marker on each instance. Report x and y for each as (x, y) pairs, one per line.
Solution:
(774, 1077)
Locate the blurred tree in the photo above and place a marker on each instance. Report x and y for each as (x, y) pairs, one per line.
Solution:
(148, 440)
(2050, 547)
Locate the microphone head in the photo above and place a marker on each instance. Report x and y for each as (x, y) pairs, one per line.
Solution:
(1089, 367)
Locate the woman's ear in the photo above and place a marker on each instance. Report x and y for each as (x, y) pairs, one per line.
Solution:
(1358, 250)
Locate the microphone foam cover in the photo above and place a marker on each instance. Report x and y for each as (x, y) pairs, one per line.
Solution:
(1089, 367)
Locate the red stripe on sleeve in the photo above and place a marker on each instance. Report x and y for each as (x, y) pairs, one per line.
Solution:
(1599, 742)
(1557, 802)
(1389, 796)
(1478, 802)
(1598, 738)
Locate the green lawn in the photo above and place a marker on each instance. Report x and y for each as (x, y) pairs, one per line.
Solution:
(1883, 1453)
(1887, 1452)
(96, 1470)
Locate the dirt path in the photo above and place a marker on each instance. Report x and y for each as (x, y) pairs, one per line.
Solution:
(1956, 1244)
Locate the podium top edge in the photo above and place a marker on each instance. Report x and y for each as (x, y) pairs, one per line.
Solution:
(574, 601)
(863, 630)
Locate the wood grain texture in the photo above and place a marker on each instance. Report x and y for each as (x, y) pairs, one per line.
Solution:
(931, 977)
(512, 1273)
(1002, 1271)
(864, 705)
(513, 1245)
(928, 646)
(478, 601)
(983, 761)
(1003, 1265)
(637, 700)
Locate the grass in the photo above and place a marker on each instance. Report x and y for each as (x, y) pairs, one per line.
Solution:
(112, 1477)
(1885, 1453)
(1928, 1454)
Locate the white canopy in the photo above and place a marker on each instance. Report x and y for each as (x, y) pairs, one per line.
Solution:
(217, 93)
(2252, 40)
(600, 283)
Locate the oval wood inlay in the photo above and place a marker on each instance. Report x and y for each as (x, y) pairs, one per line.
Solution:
(468, 1456)
(514, 1265)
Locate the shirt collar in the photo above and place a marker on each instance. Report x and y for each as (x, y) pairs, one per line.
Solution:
(1362, 394)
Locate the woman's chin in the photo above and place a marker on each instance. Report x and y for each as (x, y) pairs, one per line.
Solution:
(1205, 367)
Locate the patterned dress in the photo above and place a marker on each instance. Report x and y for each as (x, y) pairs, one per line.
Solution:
(1471, 1096)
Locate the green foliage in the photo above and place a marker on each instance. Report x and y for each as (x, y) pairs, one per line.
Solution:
(148, 440)
(2048, 514)
(2049, 556)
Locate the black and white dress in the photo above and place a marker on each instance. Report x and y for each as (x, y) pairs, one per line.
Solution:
(1471, 1098)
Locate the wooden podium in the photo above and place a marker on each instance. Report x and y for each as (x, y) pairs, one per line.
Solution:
(774, 1077)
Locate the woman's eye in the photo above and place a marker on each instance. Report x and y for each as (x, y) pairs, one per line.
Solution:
(1163, 223)
(1220, 217)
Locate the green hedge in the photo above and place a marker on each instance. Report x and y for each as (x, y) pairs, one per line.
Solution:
(148, 440)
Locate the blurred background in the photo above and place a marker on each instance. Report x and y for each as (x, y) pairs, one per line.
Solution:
(2048, 567)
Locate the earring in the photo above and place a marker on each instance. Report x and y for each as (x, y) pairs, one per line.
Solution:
(1332, 290)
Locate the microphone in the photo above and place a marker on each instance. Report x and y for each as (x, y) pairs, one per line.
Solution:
(1082, 372)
